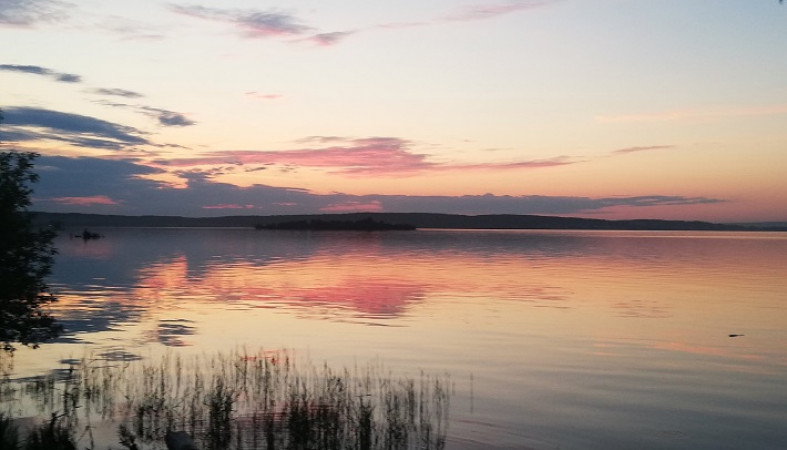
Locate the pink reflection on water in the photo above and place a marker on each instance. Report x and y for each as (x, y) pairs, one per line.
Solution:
(366, 286)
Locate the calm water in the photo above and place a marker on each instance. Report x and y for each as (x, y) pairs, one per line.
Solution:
(570, 340)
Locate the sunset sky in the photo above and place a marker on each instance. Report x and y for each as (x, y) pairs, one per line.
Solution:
(613, 109)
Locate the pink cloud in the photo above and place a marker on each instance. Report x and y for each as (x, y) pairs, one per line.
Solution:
(271, 23)
(262, 96)
(533, 164)
(374, 156)
(643, 149)
(471, 13)
(328, 39)
(485, 11)
(229, 206)
(85, 201)
(373, 206)
(385, 154)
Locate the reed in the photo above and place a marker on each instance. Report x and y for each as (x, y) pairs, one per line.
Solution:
(53, 434)
(9, 433)
(240, 400)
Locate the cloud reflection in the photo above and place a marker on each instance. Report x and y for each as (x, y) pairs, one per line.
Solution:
(150, 279)
(170, 332)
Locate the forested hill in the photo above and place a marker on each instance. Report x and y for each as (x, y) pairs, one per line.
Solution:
(419, 220)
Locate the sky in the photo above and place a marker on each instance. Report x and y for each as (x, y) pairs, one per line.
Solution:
(611, 109)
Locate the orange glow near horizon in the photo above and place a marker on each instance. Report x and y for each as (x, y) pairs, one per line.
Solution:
(478, 112)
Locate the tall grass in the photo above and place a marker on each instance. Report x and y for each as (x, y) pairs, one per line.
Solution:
(9, 433)
(53, 434)
(240, 400)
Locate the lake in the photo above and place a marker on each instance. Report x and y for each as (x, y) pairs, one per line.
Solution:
(551, 339)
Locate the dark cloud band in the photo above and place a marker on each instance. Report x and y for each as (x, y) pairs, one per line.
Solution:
(29, 12)
(26, 124)
(123, 189)
(38, 70)
(252, 23)
(117, 92)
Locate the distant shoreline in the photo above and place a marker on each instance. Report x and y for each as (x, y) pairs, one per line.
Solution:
(417, 220)
(364, 224)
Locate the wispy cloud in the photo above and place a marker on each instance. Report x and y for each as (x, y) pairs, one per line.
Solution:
(472, 12)
(29, 12)
(26, 124)
(274, 23)
(229, 206)
(263, 96)
(623, 151)
(655, 200)
(130, 29)
(117, 92)
(377, 153)
(530, 164)
(38, 70)
(265, 24)
(483, 11)
(254, 24)
(164, 117)
(168, 118)
(322, 139)
(84, 201)
(353, 206)
(529, 204)
(695, 114)
(328, 39)
(373, 156)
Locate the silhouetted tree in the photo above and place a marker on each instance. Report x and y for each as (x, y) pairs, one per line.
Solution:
(26, 257)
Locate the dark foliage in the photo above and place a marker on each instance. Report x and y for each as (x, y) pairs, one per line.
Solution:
(417, 220)
(26, 256)
(9, 434)
(366, 224)
(52, 435)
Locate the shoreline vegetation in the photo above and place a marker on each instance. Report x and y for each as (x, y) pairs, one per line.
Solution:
(86, 235)
(365, 224)
(226, 401)
(415, 220)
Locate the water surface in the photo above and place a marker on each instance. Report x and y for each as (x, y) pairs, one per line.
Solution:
(552, 339)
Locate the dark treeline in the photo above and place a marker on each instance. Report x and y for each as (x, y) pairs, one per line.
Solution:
(365, 224)
(418, 220)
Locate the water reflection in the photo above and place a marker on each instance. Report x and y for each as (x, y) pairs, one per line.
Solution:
(620, 337)
(338, 276)
(641, 309)
(371, 278)
(170, 332)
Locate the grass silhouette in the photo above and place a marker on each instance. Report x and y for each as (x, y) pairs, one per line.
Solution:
(232, 401)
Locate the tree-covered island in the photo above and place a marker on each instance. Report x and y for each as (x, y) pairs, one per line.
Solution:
(365, 224)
